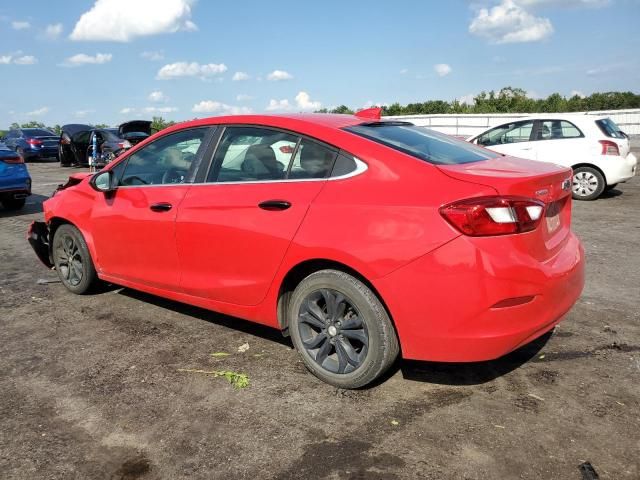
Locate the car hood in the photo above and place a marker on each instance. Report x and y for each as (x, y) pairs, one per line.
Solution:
(74, 128)
(142, 126)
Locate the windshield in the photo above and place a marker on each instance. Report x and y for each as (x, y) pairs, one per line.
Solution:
(610, 129)
(422, 143)
(37, 132)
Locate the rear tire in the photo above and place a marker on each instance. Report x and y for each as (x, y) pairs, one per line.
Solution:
(13, 203)
(588, 183)
(341, 329)
(72, 260)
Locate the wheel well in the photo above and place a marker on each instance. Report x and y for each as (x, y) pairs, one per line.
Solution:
(303, 270)
(590, 165)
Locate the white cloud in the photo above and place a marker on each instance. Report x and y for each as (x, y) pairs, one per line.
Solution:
(240, 76)
(442, 69)
(84, 59)
(566, 3)
(53, 31)
(468, 99)
(278, 75)
(20, 25)
(211, 106)
(304, 102)
(21, 60)
(160, 109)
(157, 96)
(127, 110)
(125, 20)
(39, 112)
(578, 93)
(278, 105)
(193, 69)
(508, 22)
(242, 97)
(153, 56)
(26, 60)
(404, 71)
(82, 113)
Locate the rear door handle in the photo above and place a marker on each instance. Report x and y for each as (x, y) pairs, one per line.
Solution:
(161, 207)
(272, 205)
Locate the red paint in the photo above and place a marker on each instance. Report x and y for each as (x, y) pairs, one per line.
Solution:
(452, 297)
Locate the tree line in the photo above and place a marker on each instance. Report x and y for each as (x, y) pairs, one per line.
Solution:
(510, 100)
(507, 100)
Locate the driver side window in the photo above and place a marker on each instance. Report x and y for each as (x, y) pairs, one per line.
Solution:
(168, 160)
(515, 132)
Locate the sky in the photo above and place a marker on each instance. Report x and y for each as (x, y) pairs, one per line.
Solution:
(109, 61)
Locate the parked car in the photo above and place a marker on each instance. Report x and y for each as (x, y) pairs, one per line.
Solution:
(375, 237)
(15, 182)
(76, 142)
(33, 143)
(593, 146)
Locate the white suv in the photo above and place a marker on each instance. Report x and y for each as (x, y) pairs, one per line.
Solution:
(594, 146)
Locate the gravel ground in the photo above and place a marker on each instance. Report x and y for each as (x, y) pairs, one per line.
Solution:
(91, 387)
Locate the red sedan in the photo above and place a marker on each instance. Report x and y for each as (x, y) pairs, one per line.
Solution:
(359, 238)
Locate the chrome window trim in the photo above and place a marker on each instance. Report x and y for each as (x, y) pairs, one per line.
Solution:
(361, 167)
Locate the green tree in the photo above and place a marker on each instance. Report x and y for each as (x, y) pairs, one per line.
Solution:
(159, 123)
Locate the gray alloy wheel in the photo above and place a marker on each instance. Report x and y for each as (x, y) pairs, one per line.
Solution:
(341, 330)
(72, 260)
(588, 183)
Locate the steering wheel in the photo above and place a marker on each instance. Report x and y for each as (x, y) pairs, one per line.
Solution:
(133, 178)
(174, 175)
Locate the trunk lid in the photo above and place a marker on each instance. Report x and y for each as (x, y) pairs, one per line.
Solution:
(547, 182)
(135, 126)
(48, 141)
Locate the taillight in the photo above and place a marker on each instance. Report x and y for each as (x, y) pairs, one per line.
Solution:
(34, 142)
(124, 144)
(16, 159)
(286, 149)
(484, 216)
(609, 147)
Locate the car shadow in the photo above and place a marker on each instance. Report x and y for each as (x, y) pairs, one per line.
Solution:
(475, 373)
(33, 205)
(614, 192)
(210, 316)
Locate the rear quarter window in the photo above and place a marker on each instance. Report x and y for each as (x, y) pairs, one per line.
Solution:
(422, 143)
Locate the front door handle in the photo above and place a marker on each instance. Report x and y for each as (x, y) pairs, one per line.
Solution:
(272, 205)
(161, 207)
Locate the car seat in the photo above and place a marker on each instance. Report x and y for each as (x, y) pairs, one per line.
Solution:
(260, 162)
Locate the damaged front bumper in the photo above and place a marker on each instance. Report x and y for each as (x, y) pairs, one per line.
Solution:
(38, 238)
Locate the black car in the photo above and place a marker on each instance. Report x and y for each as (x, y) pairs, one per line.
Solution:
(32, 143)
(77, 140)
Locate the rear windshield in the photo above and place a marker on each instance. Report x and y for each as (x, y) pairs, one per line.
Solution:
(610, 129)
(37, 132)
(422, 143)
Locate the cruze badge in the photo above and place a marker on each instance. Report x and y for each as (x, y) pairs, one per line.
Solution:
(541, 193)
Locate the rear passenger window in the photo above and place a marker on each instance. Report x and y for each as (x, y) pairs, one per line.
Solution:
(312, 160)
(557, 129)
(252, 154)
(515, 132)
(344, 165)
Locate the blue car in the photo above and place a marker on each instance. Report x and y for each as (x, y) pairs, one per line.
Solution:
(15, 181)
(33, 143)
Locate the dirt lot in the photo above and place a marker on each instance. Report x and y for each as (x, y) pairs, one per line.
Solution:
(90, 386)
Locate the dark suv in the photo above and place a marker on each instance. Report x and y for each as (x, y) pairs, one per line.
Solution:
(33, 143)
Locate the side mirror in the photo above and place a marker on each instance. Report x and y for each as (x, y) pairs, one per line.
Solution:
(103, 182)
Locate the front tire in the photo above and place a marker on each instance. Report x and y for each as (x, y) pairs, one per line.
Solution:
(72, 260)
(588, 183)
(341, 329)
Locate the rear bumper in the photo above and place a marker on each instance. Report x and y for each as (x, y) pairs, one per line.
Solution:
(453, 304)
(40, 154)
(38, 238)
(622, 170)
(15, 185)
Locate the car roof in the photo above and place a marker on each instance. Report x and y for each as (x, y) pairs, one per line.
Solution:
(294, 120)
